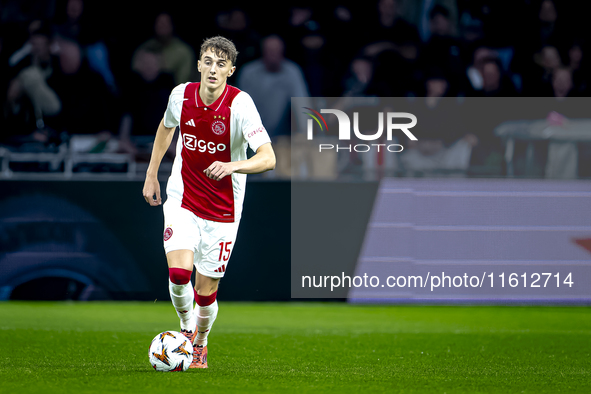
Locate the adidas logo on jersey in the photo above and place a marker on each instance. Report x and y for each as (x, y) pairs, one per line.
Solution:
(191, 122)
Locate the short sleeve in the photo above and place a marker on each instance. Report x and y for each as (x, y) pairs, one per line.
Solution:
(250, 121)
(172, 116)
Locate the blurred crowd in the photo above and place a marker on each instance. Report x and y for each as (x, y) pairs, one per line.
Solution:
(83, 67)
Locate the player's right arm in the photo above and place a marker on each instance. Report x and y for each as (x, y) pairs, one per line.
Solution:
(161, 143)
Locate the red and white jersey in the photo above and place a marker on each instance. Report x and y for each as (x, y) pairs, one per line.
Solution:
(218, 132)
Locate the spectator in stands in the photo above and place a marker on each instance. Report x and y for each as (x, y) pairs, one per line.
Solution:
(315, 34)
(537, 79)
(394, 47)
(439, 22)
(179, 57)
(495, 82)
(37, 51)
(75, 26)
(577, 63)
(386, 81)
(235, 26)
(562, 82)
(30, 98)
(78, 26)
(443, 49)
(142, 116)
(307, 45)
(389, 31)
(34, 27)
(471, 28)
(86, 100)
(359, 76)
(18, 116)
(475, 71)
(272, 81)
(417, 13)
(547, 23)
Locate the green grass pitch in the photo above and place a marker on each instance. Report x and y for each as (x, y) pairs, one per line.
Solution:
(299, 347)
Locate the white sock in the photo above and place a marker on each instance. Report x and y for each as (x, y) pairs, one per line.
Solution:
(205, 317)
(182, 300)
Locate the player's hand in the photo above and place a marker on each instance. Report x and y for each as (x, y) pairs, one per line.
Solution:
(152, 191)
(218, 170)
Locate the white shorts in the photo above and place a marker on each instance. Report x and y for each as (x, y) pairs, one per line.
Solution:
(212, 242)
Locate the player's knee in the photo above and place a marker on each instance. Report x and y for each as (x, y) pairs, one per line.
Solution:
(204, 285)
(179, 276)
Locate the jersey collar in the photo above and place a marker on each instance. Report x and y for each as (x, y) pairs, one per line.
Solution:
(216, 104)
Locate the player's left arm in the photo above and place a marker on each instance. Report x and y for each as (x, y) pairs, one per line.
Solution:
(263, 160)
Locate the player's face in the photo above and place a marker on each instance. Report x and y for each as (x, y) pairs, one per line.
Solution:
(214, 70)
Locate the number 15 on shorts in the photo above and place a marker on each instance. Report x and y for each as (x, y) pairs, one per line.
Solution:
(225, 251)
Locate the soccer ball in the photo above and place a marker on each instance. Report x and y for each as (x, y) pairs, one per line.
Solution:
(171, 351)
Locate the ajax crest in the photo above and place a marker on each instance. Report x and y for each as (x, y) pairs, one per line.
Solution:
(218, 127)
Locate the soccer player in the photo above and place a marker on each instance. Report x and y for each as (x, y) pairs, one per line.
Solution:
(206, 187)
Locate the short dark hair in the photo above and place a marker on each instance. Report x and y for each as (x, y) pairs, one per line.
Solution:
(438, 9)
(221, 46)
